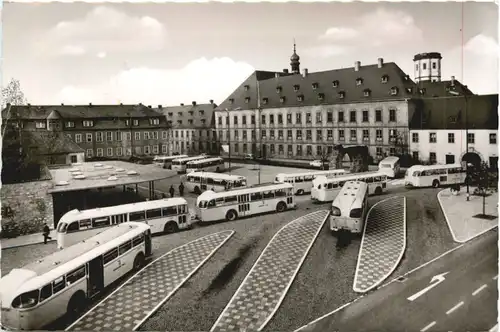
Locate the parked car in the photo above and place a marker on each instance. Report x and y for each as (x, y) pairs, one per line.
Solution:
(249, 156)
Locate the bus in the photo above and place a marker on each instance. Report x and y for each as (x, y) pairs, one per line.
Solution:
(198, 182)
(166, 215)
(179, 164)
(390, 166)
(302, 181)
(232, 204)
(349, 208)
(65, 282)
(434, 175)
(325, 190)
(166, 161)
(215, 164)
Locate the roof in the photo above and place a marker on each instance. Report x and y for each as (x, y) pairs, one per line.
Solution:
(449, 113)
(98, 177)
(79, 111)
(201, 161)
(206, 195)
(314, 173)
(343, 177)
(428, 55)
(426, 167)
(349, 196)
(426, 89)
(221, 176)
(50, 143)
(184, 113)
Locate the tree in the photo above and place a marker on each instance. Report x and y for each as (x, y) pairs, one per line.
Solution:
(12, 94)
(481, 176)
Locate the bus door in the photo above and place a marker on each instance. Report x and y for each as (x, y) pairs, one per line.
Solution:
(443, 176)
(243, 205)
(95, 278)
(147, 243)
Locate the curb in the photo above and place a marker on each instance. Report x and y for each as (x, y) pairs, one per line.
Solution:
(2, 246)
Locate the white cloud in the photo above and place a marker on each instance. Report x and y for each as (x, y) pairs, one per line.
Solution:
(101, 55)
(200, 81)
(483, 45)
(104, 29)
(335, 34)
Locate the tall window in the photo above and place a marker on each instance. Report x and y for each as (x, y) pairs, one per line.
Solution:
(263, 119)
(329, 117)
(470, 138)
(392, 115)
(341, 116)
(493, 138)
(341, 135)
(378, 115)
(432, 138)
(365, 116)
(414, 137)
(352, 116)
(451, 138)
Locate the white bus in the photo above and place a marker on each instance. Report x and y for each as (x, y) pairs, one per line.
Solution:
(166, 161)
(64, 282)
(163, 215)
(198, 182)
(350, 207)
(390, 166)
(434, 175)
(179, 164)
(325, 190)
(215, 164)
(302, 182)
(237, 203)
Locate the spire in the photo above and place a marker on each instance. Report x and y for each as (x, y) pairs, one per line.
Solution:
(294, 60)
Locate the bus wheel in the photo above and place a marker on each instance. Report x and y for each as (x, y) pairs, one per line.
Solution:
(281, 207)
(300, 192)
(77, 304)
(231, 215)
(170, 227)
(139, 261)
(197, 190)
(378, 191)
(435, 184)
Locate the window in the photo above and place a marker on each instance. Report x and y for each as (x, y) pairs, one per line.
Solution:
(70, 124)
(432, 138)
(365, 116)
(236, 134)
(118, 135)
(280, 149)
(75, 275)
(154, 121)
(298, 118)
(124, 248)
(78, 138)
(169, 211)
(282, 99)
(359, 81)
(392, 115)
(335, 83)
(271, 119)
(128, 136)
(329, 134)
(424, 66)
(138, 136)
(315, 86)
(265, 100)
(352, 135)
(309, 150)
(416, 67)
(119, 151)
(289, 134)
(378, 151)
(321, 96)
(378, 115)
(385, 79)
(319, 118)
(341, 116)
(341, 94)
(146, 135)
(450, 159)
(90, 153)
(272, 148)
(366, 92)
(263, 121)
(414, 155)
(100, 222)
(152, 214)
(432, 157)
(366, 135)
(220, 120)
(319, 150)
(109, 136)
(155, 149)
(299, 150)
(341, 135)
(88, 137)
(329, 116)
(308, 135)
(58, 284)
(247, 100)
(289, 150)
(137, 216)
(378, 135)
(244, 134)
(88, 123)
(414, 137)
(253, 134)
(264, 133)
(299, 134)
(252, 119)
(352, 116)
(493, 138)
(319, 135)
(470, 138)
(308, 118)
(235, 120)
(288, 118)
(451, 138)
(434, 65)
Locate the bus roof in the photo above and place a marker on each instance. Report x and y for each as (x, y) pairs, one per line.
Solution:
(170, 157)
(200, 161)
(332, 171)
(220, 176)
(426, 167)
(207, 195)
(351, 195)
(121, 209)
(189, 158)
(390, 159)
(324, 179)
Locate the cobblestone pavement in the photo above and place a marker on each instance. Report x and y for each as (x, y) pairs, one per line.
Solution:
(265, 286)
(383, 244)
(139, 297)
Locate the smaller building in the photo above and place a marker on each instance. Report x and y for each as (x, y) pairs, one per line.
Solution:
(53, 148)
(443, 128)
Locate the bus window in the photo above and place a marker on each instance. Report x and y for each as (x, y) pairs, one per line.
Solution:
(26, 300)
(203, 205)
(84, 224)
(229, 199)
(210, 181)
(308, 178)
(75, 275)
(73, 227)
(152, 214)
(110, 255)
(58, 285)
(377, 179)
(416, 173)
(329, 185)
(46, 292)
(62, 227)
(211, 203)
(219, 201)
(136, 216)
(124, 248)
(182, 209)
(369, 180)
(170, 211)
(299, 179)
(255, 196)
(341, 183)
(268, 194)
(280, 193)
(137, 240)
(100, 222)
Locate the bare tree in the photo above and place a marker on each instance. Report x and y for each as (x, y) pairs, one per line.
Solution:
(12, 94)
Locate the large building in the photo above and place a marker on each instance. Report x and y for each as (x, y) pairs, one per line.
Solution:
(298, 115)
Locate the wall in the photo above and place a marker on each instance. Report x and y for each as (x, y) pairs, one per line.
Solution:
(30, 204)
(481, 144)
(80, 157)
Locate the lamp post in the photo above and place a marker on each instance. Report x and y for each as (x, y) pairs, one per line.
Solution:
(467, 180)
(229, 133)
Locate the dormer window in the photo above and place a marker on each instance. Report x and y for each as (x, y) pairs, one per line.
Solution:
(282, 99)
(231, 100)
(247, 87)
(296, 87)
(394, 91)
(247, 100)
(359, 81)
(169, 122)
(315, 85)
(170, 113)
(409, 90)
(191, 112)
(202, 112)
(87, 123)
(203, 121)
(179, 121)
(278, 89)
(341, 94)
(190, 121)
(335, 83)
(154, 121)
(407, 77)
(385, 79)
(42, 124)
(265, 100)
(321, 96)
(367, 92)
(179, 113)
(69, 124)
(300, 98)
(422, 91)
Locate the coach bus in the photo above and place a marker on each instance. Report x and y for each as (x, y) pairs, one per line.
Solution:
(325, 190)
(434, 175)
(302, 181)
(179, 164)
(215, 164)
(237, 203)
(349, 208)
(390, 166)
(198, 182)
(166, 161)
(65, 282)
(166, 215)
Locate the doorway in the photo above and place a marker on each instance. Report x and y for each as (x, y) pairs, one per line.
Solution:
(95, 281)
(147, 243)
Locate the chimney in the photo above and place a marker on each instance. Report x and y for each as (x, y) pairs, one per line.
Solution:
(305, 72)
(29, 105)
(452, 83)
(121, 104)
(194, 103)
(276, 75)
(182, 104)
(90, 104)
(62, 104)
(285, 71)
(380, 62)
(211, 101)
(357, 64)
(149, 106)
(160, 107)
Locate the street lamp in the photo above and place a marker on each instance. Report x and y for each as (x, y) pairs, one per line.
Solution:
(467, 180)
(229, 133)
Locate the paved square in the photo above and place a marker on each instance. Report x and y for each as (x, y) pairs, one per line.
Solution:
(383, 244)
(265, 286)
(137, 299)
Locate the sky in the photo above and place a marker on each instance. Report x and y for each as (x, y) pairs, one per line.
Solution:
(171, 53)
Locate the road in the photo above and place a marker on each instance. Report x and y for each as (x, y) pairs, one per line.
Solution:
(461, 297)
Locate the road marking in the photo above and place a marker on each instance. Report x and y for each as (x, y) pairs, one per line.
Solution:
(459, 304)
(440, 278)
(428, 327)
(479, 289)
(495, 277)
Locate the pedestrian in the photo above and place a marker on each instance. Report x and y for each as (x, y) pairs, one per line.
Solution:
(172, 191)
(181, 189)
(46, 232)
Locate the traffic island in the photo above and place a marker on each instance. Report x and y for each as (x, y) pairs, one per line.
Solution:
(466, 219)
(383, 243)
